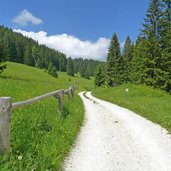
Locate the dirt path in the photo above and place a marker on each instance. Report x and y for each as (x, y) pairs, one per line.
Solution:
(116, 139)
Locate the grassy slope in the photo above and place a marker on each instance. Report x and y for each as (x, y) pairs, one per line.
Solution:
(152, 104)
(38, 133)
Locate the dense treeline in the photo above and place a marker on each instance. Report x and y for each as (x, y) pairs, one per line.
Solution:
(17, 48)
(86, 67)
(148, 60)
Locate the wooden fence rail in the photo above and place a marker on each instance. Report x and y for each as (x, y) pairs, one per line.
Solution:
(6, 107)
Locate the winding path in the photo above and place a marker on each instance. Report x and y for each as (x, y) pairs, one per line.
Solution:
(116, 139)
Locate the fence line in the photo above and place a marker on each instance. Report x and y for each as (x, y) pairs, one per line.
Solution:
(6, 107)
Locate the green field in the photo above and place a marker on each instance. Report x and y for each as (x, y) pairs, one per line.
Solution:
(38, 133)
(152, 104)
(41, 136)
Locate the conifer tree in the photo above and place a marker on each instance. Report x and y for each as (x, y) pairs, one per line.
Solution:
(84, 71)
(35, 54)
(152, 48)
(70, 67)
(100, 76)
(54, 72)
(114, 63)
(165, 62)
(28, 59)
(50, 67)
(137, 74)
(127, 57)
(2, 58)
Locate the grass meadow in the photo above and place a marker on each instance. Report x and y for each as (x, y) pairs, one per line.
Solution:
(152, 104)
(40, 137)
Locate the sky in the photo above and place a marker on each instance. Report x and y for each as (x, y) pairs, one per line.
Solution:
(78, 28)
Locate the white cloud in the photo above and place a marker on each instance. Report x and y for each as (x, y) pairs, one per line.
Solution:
(71, 45)
(26, 17)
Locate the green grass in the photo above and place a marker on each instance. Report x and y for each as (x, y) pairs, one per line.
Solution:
(152, 104)
(38, 132)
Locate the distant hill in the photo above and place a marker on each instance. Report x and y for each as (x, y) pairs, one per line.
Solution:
(15, 47)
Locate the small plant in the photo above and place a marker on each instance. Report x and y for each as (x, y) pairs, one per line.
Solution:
(2, 67)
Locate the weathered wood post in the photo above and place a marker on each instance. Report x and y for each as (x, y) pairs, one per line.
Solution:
(60, 100)
(5, 118)
(70, 92)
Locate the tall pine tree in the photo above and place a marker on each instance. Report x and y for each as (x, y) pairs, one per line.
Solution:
(151, 45)
(127, 57)
(114, 63)
(100, 77)
(70, 67)
(166, 45)
(28, 59)
(2, 58)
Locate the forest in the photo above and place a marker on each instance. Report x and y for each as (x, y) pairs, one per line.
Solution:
(15, 47)
(148, 60)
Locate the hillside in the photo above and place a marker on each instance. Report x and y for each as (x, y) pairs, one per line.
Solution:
(15, 47)
(38, 133)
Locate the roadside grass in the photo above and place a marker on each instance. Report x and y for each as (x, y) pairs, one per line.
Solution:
(152, 104)
(39, 133)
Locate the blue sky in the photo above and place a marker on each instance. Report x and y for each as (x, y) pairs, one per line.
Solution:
(86, 21)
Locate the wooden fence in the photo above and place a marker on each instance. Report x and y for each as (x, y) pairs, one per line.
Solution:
(6, 107)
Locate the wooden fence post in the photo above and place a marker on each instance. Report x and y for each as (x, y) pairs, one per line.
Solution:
(69, 93)
(71, 90)
(60, 100)
(5, 118)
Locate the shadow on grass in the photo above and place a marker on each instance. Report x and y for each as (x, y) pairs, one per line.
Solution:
(65, 112)
(12, 78)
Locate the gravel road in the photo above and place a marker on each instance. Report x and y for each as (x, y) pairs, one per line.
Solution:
(116, 139)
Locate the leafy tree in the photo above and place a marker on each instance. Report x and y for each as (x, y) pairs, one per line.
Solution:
(100, 77)
(70, 67)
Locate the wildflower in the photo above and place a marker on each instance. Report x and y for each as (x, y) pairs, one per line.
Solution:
(126, 89)
(20, 157)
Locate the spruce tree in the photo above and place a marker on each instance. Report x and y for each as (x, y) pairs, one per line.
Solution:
(70, 67)
(35, 54)
(166, 46)
(50, 67)
(137, 74)
(114, 63)
(100, 76)
(28, 59)
(2, 58)
(127, 57)
(152, 48)
(54, 72)
(84, 71)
